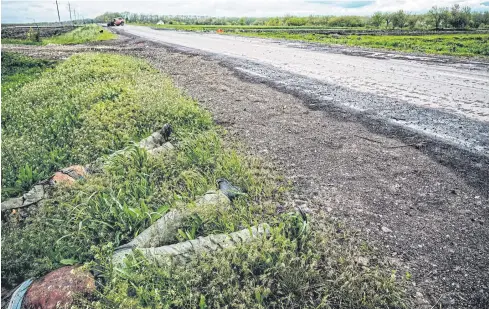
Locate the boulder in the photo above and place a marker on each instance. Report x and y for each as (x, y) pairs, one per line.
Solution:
(75, 171)
(58, 288)
(60, 177)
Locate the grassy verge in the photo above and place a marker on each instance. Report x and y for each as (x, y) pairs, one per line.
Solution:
(18, 70)
(94, 104)
(448, 44)
(88, 33)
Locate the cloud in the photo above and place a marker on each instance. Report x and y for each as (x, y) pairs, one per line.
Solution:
(343, 4)
(45, 10)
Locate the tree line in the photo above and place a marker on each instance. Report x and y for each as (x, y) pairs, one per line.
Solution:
(455, 17)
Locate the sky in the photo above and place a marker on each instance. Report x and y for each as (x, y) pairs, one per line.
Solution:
(18, 11)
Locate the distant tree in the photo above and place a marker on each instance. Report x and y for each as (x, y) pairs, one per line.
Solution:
(346, 21)
(388, 19)
(275, 21)
(377, 19)
(399, 19)
(437, 16)
(412, 20)
(460, 17)
(466, 16)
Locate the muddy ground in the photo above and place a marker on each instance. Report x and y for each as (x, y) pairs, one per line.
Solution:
(423, 202)
(20, 32)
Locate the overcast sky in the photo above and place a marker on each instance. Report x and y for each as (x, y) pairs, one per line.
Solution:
(26, 11)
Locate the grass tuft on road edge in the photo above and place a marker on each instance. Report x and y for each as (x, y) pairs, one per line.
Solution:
(110, 100)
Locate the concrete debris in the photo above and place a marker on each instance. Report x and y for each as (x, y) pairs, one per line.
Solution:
(182, 252)
(34, 195)
(213, 198)
(161, 149)
(161, 233)
(157, 138)
(12, 203)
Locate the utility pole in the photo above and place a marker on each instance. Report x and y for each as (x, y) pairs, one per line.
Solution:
(57, 8)
(69, 9)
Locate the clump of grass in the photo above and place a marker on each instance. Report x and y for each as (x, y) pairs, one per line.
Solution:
(84, 34)
(88, 33)
(20, 41)
(18, 70)
(88, 106)
(443, 44)
(303, 263)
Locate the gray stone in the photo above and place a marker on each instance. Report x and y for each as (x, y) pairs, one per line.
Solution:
(12, 203)
(386, 230)
(213, 198)
(152, 141)
(161, 149)
(184, 251)
(34, 195)
(162, 232)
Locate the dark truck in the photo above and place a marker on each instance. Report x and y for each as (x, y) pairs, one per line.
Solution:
(119, 21)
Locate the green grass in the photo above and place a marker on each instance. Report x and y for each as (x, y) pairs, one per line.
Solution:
(18, 70)
(443, 44)
(20, 41)
(94, 104)
(84, 108)
(237, 28)
(89, 33)
(85, 34)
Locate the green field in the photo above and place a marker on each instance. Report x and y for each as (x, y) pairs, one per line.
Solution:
(92, 105)
(443, 44)
(85, 34)
(236, 28)
(460, 44)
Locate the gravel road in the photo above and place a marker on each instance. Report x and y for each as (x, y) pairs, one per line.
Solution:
(411, 176)
(446, 94)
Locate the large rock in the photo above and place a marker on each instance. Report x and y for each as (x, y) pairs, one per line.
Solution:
(58, 288)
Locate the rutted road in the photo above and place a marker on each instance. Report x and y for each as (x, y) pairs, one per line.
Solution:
(449, 101)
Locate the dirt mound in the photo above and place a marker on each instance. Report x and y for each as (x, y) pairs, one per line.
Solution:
(20, 32)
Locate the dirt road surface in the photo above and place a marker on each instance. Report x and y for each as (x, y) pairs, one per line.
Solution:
(408, 169)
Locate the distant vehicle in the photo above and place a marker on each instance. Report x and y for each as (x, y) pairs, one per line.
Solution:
(119, 21)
